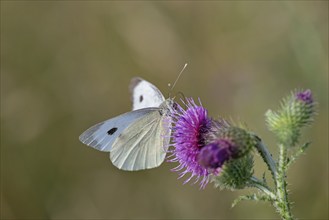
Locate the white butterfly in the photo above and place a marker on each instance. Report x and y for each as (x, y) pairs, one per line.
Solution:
(138, 139)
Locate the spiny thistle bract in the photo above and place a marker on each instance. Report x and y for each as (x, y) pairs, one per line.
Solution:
(237, 170)
(235, 174)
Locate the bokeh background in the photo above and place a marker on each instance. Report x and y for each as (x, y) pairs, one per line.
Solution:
(66, 66)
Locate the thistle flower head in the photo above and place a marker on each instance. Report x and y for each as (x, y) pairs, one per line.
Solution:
(297, 110)
(189, 132)
(238, 141)
(235, 145)
(225, 144)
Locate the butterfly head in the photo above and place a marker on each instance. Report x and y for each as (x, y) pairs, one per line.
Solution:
(168, 106)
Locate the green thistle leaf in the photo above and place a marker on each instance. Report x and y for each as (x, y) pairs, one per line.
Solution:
(252, 197)
(298, 153)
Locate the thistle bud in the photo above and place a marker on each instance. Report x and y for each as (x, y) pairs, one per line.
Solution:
(227, 155)
(297, 110)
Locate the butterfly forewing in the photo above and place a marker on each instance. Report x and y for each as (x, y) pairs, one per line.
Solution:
(102, 135)
(143, 144)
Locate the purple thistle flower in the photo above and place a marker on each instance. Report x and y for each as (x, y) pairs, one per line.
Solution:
(225, 144)
(189, 132)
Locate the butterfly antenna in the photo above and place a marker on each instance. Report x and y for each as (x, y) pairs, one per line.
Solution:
(183, 97)
(172, 87)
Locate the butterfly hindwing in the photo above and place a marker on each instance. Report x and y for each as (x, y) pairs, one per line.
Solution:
(144, 94)
(102, 135)
(143, 144)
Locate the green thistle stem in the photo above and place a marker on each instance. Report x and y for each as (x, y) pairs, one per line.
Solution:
(280, 199)
(282, 204)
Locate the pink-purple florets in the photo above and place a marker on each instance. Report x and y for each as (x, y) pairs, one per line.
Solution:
(213, 155)
(189, 132)
(305, 96)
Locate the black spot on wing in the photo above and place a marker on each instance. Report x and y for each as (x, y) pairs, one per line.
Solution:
(112, 131)
(141, 98)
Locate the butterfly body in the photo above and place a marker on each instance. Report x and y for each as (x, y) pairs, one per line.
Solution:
(138, 139)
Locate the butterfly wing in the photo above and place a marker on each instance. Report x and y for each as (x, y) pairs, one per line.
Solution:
(102, 135)
(142, 145)
(144, 94)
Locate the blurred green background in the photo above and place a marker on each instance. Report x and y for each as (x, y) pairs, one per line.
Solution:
(66, 66)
